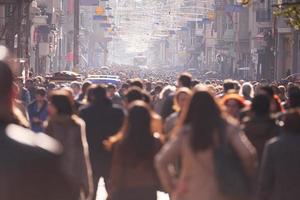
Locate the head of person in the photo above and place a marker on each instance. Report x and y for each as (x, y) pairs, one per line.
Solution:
(85, 87)
(228, 85)
(124, 87)
(204, 117)
(29, 84)
(166, 91)
(275, 105)
(137, 83)
(181, 98)
(51, 86)
(111, 90)
(59, 104)
(291, 122)
(148, 86)
(157, 90)
(76, 87)
(282, 92)
(138, 138)
(97, 95)
(261, 105)
(184, 80)
(40, 94)
(133, 94)
(293, 96)
(247, 91)
(234, 103)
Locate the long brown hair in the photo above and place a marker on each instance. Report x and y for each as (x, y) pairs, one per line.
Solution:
(138, 139)
(204, 116)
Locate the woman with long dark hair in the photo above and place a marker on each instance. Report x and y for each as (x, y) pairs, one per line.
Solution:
(195, 144)
(133, 176)
(69, 129)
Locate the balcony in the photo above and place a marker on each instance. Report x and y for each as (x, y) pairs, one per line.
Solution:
(263, 15)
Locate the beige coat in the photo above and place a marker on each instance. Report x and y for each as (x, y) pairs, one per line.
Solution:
(75, 162)
(197, 180)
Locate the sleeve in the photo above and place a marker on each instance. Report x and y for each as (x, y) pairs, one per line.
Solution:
(245, 150)
(88, 179)
(266, 175)
(168, 155)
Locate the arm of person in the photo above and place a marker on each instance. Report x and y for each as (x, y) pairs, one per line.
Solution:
(245, 150)
(167, 155)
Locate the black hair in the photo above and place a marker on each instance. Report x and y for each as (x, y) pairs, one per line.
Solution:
(205, 117)
(133, 94)
(228, 85)
(138, 139)
(185, 79)
(261, 105)
(62, 104)
(137, 83)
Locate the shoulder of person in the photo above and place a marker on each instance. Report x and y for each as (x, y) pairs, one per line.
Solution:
(27, 138)
(77, 120)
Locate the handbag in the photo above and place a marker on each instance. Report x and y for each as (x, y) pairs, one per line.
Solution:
(230, 173)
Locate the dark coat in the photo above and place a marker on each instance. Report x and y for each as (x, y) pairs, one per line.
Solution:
(102, 121)
(75, 162)
(29, 167)
(280, 171)
(259, 130)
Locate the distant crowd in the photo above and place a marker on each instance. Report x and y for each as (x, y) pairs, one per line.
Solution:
(195, 140)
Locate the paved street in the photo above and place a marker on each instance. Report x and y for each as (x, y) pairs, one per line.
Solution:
(101, 193)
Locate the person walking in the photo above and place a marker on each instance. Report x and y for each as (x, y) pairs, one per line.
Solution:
(69, 129)
(37, 111)
(279, 177)
(203, 127)
(133, 176)
(28, 162)
(103, 120)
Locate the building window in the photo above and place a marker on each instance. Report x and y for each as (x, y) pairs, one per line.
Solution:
(263, 15)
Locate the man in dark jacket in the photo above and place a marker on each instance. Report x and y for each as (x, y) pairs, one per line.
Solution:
(260, 127)
(29, 167)
(280, 169)
(102, 121)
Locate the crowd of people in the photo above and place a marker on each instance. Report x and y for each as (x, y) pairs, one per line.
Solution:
(209, 140)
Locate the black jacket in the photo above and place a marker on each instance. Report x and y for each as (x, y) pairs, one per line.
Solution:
(259, 129)
(102, 121)
(280, 171)
(29, 167)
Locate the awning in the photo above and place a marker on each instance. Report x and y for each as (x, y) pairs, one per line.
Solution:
(260, 36)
